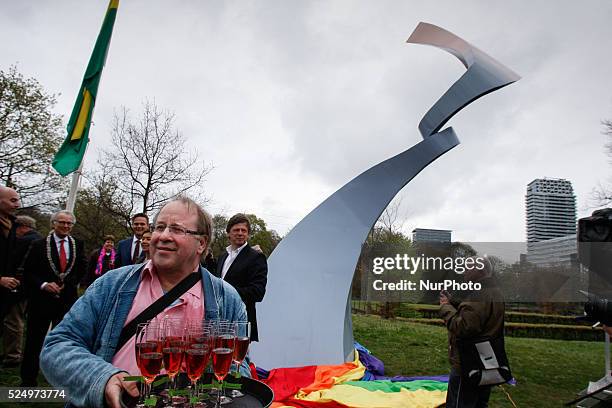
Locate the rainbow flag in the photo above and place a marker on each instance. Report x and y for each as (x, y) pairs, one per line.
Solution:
(70, 155)
(347, 385)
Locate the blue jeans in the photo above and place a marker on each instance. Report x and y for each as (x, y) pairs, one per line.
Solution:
(462, 394)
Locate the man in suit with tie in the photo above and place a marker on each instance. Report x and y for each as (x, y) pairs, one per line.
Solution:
(52, 271)
(244, 268)
(130, 249)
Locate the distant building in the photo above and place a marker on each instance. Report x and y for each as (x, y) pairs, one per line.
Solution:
(550, 206)
(425, 235)
(555, 251)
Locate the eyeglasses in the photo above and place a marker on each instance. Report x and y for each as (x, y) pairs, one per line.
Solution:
(174, 230)
(68, 223)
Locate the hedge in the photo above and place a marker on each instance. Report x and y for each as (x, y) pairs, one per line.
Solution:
(416, 311)
(541, 331)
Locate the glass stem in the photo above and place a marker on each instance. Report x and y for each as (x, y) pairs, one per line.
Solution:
(171, 390)
(194, 392)
(142, 388)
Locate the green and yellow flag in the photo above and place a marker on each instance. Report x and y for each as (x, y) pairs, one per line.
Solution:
(70, 155)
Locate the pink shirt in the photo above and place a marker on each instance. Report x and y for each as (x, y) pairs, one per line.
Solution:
(189, 307)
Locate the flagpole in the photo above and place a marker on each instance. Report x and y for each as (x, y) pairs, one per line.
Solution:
(76, 179)
(74, 186)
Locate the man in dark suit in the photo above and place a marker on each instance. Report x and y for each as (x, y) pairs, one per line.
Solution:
(244, 268)
(130, 249)
(52, 271)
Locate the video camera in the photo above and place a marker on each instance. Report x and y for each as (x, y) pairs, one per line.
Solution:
(595, 242)
(597, 309)
(595, 253)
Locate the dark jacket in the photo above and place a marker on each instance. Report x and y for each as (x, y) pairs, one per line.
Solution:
(23, 245)
(124, 251)
(21, 251)
(248, 274)
(8, 245)
(480, 314)
(8, 259)
(38, 270)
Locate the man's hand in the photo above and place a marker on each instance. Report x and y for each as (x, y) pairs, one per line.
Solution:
(53, 287)
(114, 386)
(9, 282)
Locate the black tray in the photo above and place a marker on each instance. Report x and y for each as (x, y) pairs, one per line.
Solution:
(256, 393)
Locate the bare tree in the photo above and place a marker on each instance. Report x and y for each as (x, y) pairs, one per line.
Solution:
(602, 195)
(101, 182)
(149, 161)
(30, 133)
(389, 226)
(390, 220)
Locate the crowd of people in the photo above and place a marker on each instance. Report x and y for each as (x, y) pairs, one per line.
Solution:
(40, 276)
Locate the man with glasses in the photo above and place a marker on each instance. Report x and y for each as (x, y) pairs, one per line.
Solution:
(130, 249)
(81, 353)
(52, 271)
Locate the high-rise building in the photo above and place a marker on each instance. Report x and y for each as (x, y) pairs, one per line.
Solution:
(551, 213)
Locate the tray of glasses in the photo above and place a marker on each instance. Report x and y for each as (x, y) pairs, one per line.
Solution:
(255, 393)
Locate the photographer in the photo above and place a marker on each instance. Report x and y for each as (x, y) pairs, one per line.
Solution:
(479, 315)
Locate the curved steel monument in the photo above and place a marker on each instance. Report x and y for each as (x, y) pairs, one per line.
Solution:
(306, 315)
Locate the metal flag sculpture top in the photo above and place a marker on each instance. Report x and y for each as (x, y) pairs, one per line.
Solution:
(306, 316)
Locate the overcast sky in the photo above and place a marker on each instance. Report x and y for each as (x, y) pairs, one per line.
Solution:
(289, 100)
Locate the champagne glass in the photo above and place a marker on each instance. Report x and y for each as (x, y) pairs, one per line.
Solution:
(243, 339)
(196, 358)
(141, 346)
(198, 338)
(149, 353)
(213, 325)
(173, 348)
(19, 277)
(222, 354)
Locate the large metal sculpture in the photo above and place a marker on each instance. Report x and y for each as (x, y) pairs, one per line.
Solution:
(306, 315)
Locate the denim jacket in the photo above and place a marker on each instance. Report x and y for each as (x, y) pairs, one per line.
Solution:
(77, 354)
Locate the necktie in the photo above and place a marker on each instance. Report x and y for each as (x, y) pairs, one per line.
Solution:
(136, 251)
(62, 256)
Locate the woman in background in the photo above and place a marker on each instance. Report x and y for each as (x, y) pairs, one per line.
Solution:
(145, 241)
(101, 261)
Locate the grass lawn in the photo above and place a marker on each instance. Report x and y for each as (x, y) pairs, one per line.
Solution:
(548, 372)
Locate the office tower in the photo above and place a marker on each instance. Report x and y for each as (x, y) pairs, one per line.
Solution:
(551, 214)
(425, 235)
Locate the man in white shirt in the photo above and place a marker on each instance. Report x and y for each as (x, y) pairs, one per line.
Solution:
(52, 271)
(243, 267)
(130, 249)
